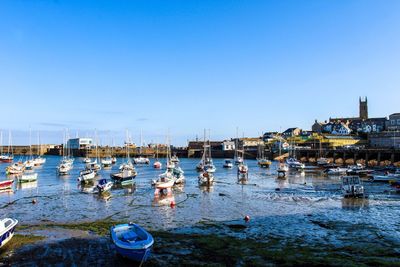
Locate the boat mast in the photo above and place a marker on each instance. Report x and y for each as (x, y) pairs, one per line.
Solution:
(203, 158)
(30, 143)
(126, 146)
(209, 145)
(1, 142)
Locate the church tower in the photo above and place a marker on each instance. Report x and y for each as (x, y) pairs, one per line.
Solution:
(364, 109)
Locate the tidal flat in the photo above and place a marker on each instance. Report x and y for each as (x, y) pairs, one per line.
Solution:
(301, 220)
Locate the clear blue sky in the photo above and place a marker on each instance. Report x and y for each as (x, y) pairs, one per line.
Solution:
(189, 65)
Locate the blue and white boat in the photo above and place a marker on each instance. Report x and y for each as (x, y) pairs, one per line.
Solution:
(7, 228)
(132, 241)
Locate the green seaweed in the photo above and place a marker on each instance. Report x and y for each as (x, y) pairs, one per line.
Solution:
(18, 241)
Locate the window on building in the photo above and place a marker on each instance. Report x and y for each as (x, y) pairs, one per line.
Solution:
(398, 121)
(393, 122)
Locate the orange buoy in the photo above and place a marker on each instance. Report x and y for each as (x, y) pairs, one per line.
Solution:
(172, 204)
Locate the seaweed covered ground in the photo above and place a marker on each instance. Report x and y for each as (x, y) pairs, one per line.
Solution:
(213, 244)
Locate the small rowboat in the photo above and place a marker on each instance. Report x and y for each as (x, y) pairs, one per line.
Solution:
(132, 241)
(7, 227)
(6, 184)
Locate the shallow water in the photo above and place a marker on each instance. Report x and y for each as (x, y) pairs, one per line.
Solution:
(304, 205)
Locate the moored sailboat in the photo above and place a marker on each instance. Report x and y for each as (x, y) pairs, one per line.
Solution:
(6, 157)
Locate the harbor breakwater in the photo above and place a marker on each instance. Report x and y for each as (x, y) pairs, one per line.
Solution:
(367, 156)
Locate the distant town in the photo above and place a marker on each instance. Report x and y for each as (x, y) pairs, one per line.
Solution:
(360, 136)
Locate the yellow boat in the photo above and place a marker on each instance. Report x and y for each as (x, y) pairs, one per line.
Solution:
(264, 163)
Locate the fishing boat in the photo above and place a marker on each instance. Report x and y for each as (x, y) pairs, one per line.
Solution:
(264, 163)
(125, 176)
(7, 228)
(104, 185)
(293, 163)
(261, 160)
(16, 168)
(157, 164)
(86, 176)
(336, 171)
(106, 162)
(387, 177)
(39, 160)
(27, 178)
(127, 171)
(29, 165)
(66, 163)
(86, 160)
(323, 161)
(358, 169)
(210, 167)
(228, 164)
(282, 170)
(141, 160)
(165, 181)
(7, 184)
(243, 169)
(132, 241)
(63, 169)
(206, 179)
(6, 158)
(352, 187)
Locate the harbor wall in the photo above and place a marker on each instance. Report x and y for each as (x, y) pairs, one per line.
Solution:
(368, 156)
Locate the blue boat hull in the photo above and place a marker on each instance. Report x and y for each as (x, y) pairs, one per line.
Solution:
(132, 241)
(134, 254)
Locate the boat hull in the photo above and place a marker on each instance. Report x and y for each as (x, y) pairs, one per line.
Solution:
(6, 184)
(138, 250)
(135, 255)
(8, 232)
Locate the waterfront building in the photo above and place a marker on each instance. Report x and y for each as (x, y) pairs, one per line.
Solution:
(393, 124)
(80, 143)
(357, 125)
(336, 127)
(198, 145)
(387, 139)
(269, 136)
(228, 145)
(329, 141)
(291, 132)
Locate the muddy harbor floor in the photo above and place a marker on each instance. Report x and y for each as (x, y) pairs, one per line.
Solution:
(214, 244)
(301, 220)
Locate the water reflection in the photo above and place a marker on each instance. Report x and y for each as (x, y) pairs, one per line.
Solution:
(354, 203)
(207, 188)
(302, 193)
(164, 200)
(29, 185)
